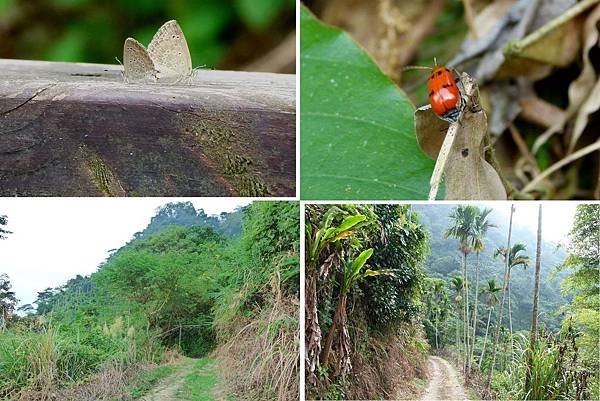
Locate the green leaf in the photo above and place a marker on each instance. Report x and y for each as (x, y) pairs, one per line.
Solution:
(360, 261)
(350, 222)
(330, 231)
(357, 139)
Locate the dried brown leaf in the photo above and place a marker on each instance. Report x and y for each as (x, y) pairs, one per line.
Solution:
(540, 112)
(431, 131)
(580, 89)
(468, 175)
(504, 106)
(524, 38)
(555, 41)
(591, 105)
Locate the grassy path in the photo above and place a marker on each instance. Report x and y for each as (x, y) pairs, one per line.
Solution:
(190, 380)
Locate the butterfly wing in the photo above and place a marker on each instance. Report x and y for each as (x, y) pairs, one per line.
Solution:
(137, 62)
(169, 51)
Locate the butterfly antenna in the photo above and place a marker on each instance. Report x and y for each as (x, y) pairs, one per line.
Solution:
(118, 61)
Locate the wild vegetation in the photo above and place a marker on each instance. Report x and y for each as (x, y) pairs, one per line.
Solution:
(533, 343)
(224, 289)
(364, 269)
(385, 284)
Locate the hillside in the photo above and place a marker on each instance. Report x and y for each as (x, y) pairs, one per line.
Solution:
(444, 261)
(181, 312)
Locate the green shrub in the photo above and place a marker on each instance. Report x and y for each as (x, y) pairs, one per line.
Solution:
(401, 246)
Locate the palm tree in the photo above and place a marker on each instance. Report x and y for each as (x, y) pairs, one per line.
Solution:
(463, 228)
(457, 286)
(536, 297)
(515, 259)
(481, 227)
(439, 303)
(499, 323)
(491, 300)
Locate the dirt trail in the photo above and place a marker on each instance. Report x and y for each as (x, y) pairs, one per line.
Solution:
(444, 382)
(167, 389)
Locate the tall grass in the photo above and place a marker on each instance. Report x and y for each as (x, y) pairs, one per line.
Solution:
(551, 371)
(51, 356)
(16, 350)
(261, 360)
(556, 371)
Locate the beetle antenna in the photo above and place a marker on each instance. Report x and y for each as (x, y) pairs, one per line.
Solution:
(415, 67)
(435, 61)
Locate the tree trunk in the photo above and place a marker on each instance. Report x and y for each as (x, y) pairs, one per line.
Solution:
(475, 310)
(312, 329)
(510, 329)
(337, 319)
(536, 296)
(436, 330)
(499, 323)
(457, 332)
(342, 341)
(464, 320)
(487, 327)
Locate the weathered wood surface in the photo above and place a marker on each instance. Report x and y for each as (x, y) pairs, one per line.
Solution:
(71, 129)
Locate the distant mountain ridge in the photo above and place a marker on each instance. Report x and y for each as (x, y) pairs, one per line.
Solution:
(184, 214)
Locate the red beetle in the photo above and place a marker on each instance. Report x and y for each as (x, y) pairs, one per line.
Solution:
(444, 94)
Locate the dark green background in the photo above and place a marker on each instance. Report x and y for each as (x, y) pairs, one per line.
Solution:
(220, 33)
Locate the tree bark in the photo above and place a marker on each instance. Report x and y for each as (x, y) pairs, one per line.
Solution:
(536, 296)
(436, 330)
(510, 330)
(312, 329)
(458, 332)
(475, 310)
(337, 318)
(72, 129)
(487, 327)
(465, 318)
(506, 278)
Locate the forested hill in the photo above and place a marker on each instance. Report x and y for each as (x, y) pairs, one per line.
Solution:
(182, 292)
(185, 215)
(444, 261)
(170, 215)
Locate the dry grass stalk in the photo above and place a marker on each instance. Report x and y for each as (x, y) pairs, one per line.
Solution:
(262, 360)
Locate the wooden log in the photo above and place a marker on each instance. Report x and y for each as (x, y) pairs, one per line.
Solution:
(69, 129)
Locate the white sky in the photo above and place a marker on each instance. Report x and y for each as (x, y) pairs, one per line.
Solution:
(54, 239)
(557, 217)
